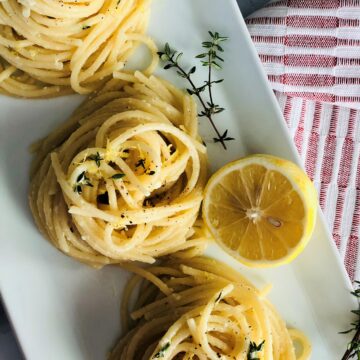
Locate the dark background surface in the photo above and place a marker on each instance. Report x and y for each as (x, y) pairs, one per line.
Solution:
(8, 346)
(249, 6)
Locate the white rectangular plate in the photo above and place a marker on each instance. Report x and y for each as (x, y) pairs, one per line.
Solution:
(61, 309)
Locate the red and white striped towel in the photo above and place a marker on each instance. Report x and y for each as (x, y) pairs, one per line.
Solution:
(311, 52)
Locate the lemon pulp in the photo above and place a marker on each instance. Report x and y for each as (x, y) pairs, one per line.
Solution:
(261, 209)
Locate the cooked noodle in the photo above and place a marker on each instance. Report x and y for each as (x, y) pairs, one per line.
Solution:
(51, 48)
(122, 179)
(200, 308)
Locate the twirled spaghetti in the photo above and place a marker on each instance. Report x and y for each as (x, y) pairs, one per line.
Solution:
(50, 48)
(122, 179)
(200, 308)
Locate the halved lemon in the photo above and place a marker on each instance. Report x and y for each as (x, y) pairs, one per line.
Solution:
(261, 209)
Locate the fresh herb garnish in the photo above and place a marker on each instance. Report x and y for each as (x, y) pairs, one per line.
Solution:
(151, 172)
(223, 137)
(81, 177)
(118, 176)
(254, 349)
(161, 352)
(218, 297)
(141, 163)
(85, 27)
(96, 157)
(212, 60)
(78, 189)
(81, 180)
(353, 348)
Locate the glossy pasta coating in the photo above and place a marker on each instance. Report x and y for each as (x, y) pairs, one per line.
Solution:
(122, 179)
(51, 48)
(200, 308)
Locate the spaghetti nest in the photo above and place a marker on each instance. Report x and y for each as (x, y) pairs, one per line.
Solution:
(123, 178)
(50, 47)
(200, 308)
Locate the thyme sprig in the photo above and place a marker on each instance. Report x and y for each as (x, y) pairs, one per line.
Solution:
(96, 157)
(81, 180)
(118, 176)
(224, 137)
(254, 349)
(210, 59)
(353, 348)
(141, 163)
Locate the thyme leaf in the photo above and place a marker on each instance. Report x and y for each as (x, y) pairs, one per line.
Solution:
(141, 163)
(81, 180)
(353, 348)
(254, 349)
(96, 157)
(162, 351)
(211, 59)
(223, 137)
(118, 176)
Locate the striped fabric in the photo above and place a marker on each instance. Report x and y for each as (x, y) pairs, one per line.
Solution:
(310, 50)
